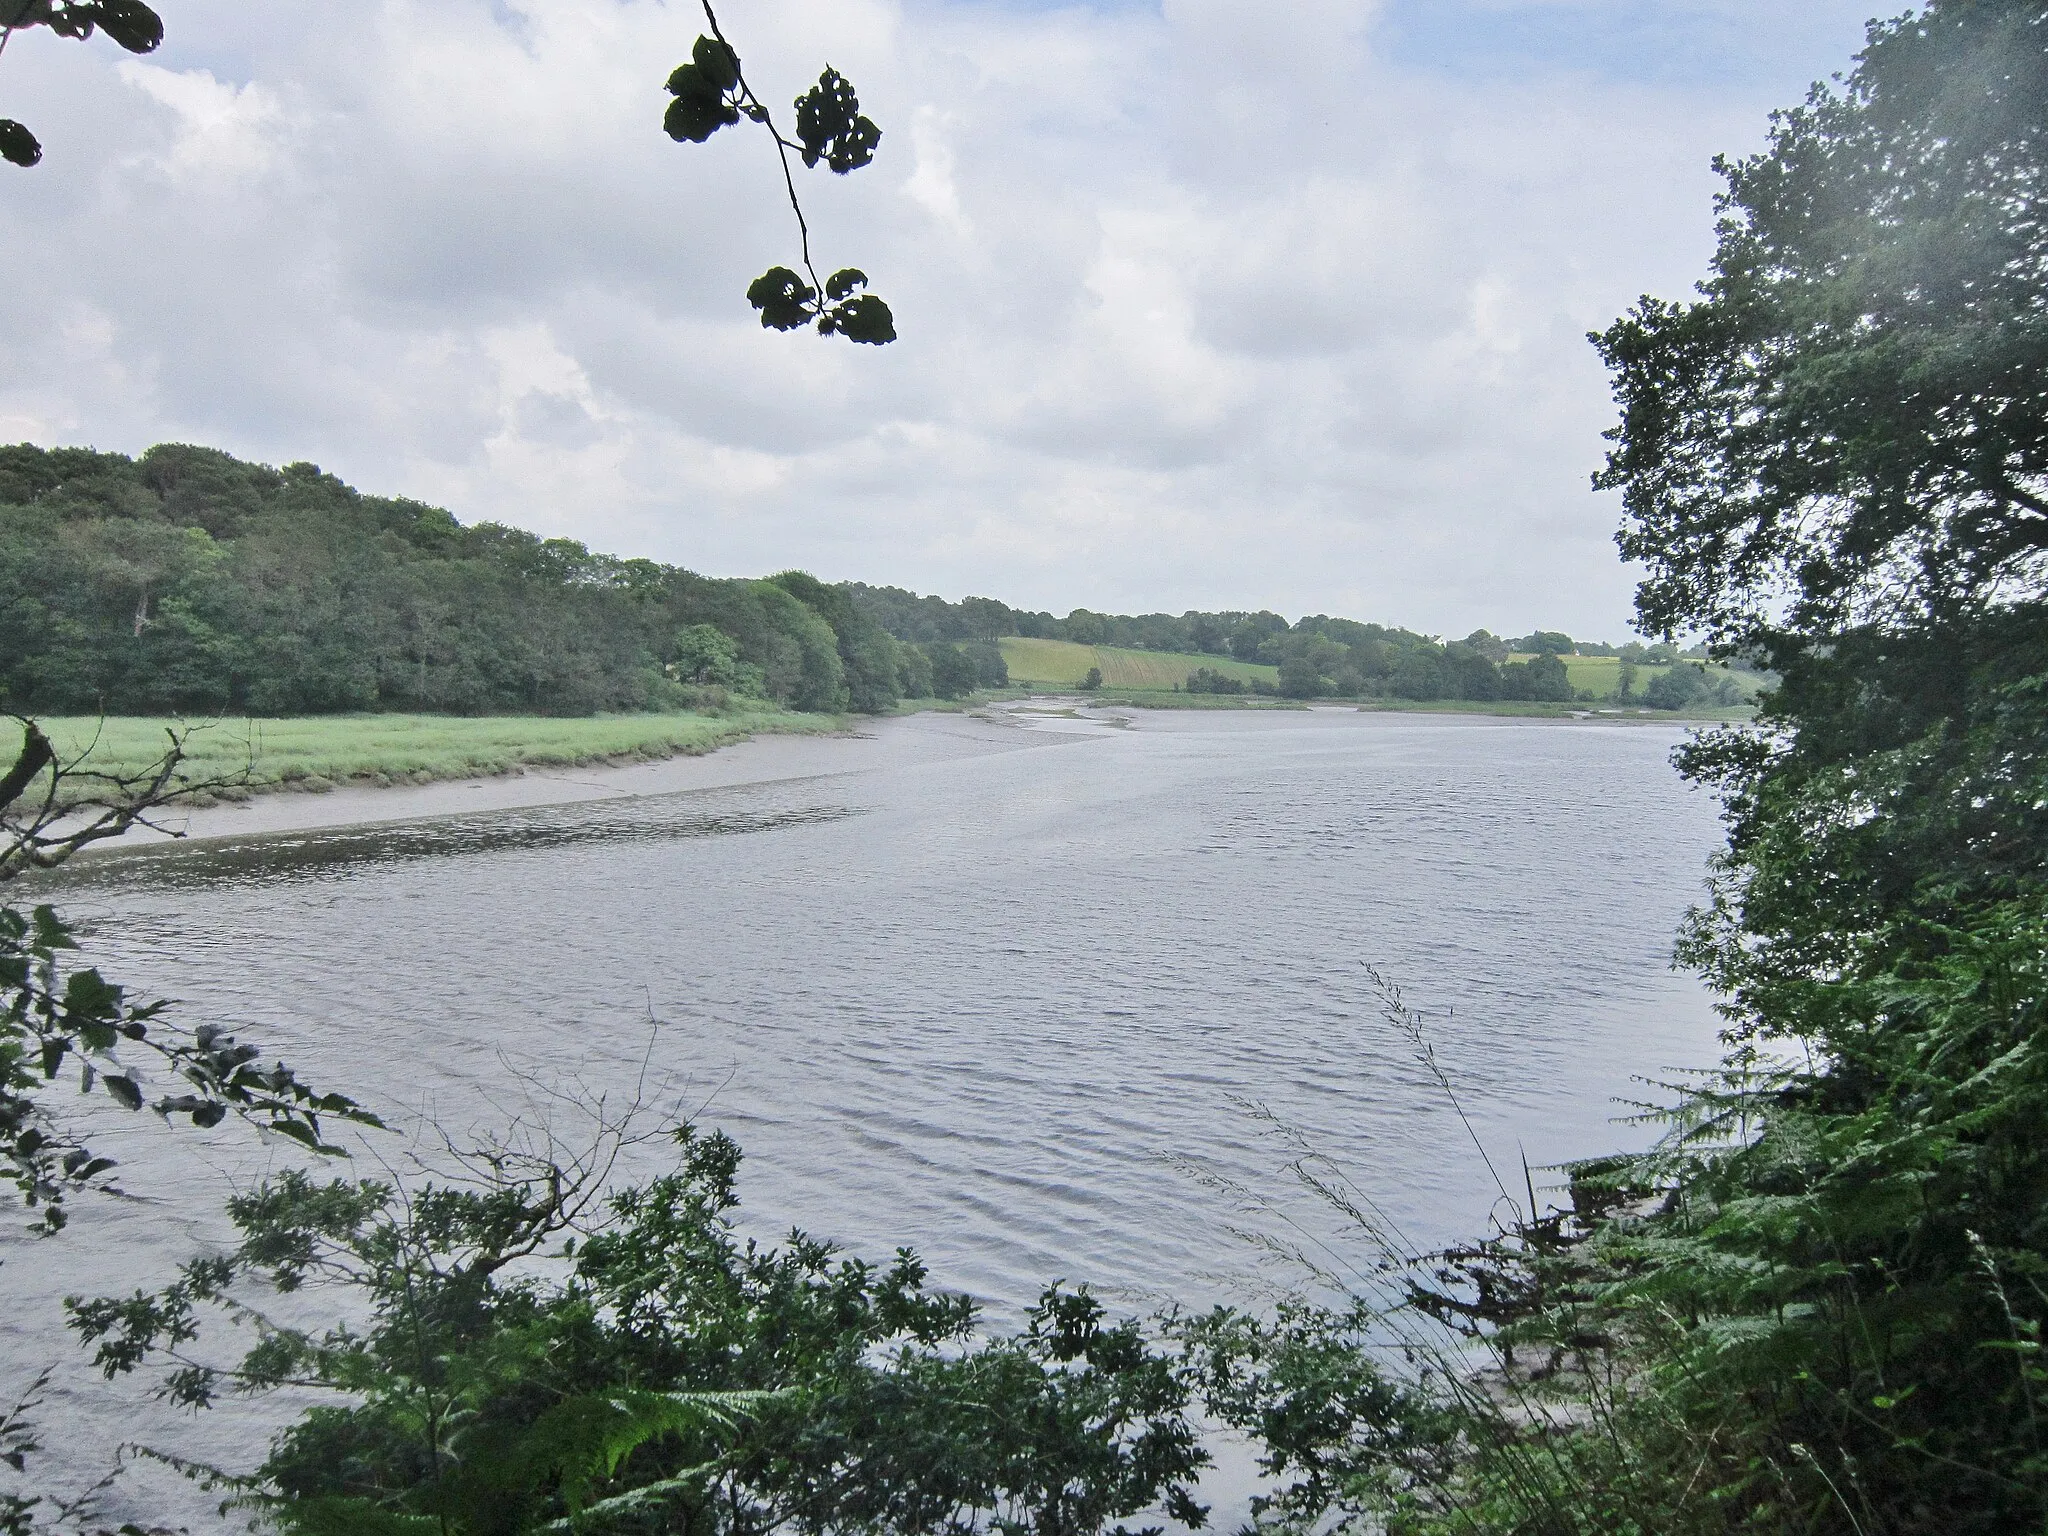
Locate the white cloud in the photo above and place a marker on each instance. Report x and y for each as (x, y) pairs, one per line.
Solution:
(223, 131)
(930, 184)
(1209, 305)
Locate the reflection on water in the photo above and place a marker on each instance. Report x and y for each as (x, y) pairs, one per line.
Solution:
(987, 991)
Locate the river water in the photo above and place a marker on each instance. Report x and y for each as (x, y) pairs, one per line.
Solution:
(1019, 992)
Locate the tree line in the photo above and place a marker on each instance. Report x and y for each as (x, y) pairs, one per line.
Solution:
(1317, 656)
(189, 581)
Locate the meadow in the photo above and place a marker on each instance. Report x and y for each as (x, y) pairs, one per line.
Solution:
(1601, 675)
(1062, 664)
(318, 752)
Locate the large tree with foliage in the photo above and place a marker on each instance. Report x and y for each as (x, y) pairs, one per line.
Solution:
(1819, 1305)
(1838, 457)
(1850, 425)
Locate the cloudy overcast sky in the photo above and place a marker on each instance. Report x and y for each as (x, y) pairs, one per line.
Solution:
(1202, 304)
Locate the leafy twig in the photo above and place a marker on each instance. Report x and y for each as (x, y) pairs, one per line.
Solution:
(711, 92)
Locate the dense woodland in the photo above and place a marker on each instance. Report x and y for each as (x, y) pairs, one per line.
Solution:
(187, 580)
(190, 581)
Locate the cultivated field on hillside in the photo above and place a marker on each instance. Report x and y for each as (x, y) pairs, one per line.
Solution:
(1602, 675)
(1062, 664)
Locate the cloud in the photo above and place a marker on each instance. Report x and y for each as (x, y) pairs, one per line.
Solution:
(1202, 304)
(223, 132)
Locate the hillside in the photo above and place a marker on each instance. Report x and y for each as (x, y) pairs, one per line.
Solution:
(188, 581)
(1063, 663)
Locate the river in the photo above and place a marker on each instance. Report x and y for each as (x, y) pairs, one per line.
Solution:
(1019, 992)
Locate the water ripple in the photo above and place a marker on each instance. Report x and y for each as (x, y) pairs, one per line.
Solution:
(978, 1001)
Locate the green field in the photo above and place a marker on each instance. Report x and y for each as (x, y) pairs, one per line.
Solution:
(1601, 675)
(1062, 664)
(319, 752)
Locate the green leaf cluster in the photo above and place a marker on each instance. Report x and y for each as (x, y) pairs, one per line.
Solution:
(75, 1024)
(787, 302)
(529, 1362)
(706, 92)
(831, 126)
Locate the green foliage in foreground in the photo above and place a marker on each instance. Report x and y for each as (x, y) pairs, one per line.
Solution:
(66, 1021)
(62, 1023)
(541, 1355)
(1816, 1307)
(322, 750)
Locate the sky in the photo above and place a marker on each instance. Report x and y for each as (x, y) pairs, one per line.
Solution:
(1201, 305)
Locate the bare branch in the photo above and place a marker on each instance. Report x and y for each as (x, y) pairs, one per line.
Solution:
(51, 805)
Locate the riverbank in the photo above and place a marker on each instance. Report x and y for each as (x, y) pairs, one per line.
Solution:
(767, 757)
(526, 763)
(233, 759)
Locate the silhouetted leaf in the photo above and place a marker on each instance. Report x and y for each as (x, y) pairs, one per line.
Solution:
(131, 24)
(865, 319)
(844, 282)
(17, 144)
(89, 996)
(126, 1089)
(829, 124)
(700, 108)
(785, 300)
(717, 63)
(298, 1131)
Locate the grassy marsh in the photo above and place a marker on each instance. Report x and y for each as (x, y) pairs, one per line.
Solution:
(318, 752)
